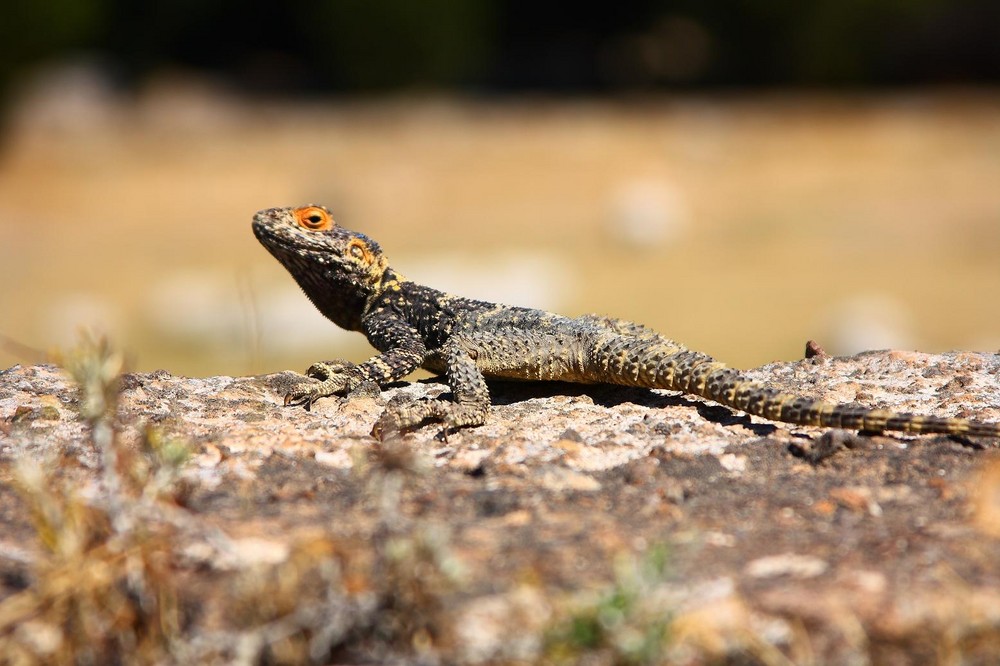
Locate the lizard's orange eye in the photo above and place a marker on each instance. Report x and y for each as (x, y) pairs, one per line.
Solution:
(313, 218)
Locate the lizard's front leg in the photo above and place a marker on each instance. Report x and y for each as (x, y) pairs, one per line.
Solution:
(470, 407)
(405, 351)
(333, 378)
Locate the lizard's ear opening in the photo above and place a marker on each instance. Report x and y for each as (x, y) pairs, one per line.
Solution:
(358, 249)
(314, 218)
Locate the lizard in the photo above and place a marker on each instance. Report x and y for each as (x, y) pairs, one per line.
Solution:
(348, 278)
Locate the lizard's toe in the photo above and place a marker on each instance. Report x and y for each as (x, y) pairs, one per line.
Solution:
(397, 418)
(389, 424)
(384, 427)
(303, 396)
(325, 379)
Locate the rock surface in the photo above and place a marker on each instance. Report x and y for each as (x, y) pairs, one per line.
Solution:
(886, 550)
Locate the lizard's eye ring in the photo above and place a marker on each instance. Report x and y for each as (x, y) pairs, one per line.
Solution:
(313, 218)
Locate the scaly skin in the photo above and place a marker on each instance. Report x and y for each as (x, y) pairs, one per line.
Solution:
(346, 276)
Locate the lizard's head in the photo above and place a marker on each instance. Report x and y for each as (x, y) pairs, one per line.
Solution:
(338, 269)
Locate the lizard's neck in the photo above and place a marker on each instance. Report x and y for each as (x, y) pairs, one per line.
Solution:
(389, 282)
(339, 299)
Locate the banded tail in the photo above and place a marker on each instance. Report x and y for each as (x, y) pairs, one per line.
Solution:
(693, 372)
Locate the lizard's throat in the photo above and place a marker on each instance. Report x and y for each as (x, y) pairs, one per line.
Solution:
(340, 301)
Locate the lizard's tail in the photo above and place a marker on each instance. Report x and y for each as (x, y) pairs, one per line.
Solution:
(702, 375)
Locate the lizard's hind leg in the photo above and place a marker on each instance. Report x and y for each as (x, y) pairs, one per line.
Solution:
(470, 407)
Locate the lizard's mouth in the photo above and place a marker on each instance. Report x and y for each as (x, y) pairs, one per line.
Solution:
(262, 229)
(264, 233)
(274, 240)
(290, 245)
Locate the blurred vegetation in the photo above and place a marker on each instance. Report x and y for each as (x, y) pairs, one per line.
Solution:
(488, 45)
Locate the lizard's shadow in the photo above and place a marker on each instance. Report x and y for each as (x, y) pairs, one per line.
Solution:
(504, 392)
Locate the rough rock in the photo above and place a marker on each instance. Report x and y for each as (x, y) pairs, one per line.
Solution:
(881, 551)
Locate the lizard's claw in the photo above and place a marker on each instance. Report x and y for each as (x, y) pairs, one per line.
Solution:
(303, 397)
(389, 422)
(328, 378)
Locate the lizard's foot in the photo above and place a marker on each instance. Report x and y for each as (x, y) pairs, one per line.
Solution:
(401, 415)
(330, 378)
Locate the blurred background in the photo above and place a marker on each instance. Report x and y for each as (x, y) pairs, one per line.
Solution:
(742, 176)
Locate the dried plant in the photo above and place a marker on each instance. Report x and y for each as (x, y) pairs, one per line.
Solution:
(103, 585)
